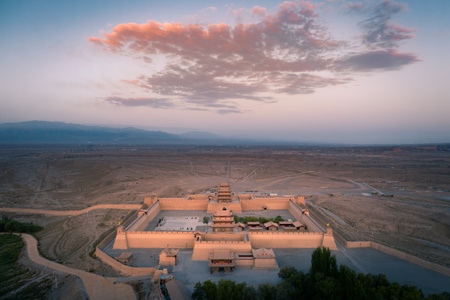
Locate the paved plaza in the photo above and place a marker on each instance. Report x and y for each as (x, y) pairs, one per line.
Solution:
(173, 220)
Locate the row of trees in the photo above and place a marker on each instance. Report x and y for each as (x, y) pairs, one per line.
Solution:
(262, 220)
(325, 280)
(10, 225)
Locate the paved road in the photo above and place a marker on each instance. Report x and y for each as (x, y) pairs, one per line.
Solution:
(97, 287)
(71, 212)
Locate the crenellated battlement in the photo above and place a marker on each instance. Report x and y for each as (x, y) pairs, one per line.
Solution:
(284, 233)
(220, 242)
(161, 232)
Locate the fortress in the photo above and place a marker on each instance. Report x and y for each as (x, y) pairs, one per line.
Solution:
(223, 242)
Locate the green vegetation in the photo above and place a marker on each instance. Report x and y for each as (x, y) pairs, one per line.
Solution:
(10, 225)
(262, 220)
(14, 276)
(205, 219)
(323, 281)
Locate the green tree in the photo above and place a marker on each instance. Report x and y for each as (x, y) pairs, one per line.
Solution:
(198, 292)
(205, 219)
(205, 291)
(266, 292)
(210, 289)
(323, 262)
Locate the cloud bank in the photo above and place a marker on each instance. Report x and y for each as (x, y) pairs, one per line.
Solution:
(289, 51)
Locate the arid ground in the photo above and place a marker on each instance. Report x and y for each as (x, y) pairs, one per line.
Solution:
(397, 196)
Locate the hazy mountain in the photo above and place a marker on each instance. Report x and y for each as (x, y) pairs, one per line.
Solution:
(58, 132)
(42, 132)
(201, 135)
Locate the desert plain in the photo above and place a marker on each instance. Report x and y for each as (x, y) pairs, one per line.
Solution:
(398, 196)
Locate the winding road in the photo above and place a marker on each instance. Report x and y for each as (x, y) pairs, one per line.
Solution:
(97, 287)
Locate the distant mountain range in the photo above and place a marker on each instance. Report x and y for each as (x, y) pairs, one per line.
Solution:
(42, 132)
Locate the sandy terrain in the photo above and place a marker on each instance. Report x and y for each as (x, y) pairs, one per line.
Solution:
(412, 215)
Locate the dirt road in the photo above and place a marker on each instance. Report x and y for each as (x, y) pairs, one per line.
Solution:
(97, 287)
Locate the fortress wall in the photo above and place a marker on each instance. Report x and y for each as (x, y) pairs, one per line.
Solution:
(402, 255)
(286, 239)
(142, 222)
(107, 240)
(296, 211)
(365, 244)
(234, 207)
(183, 204)
(224, 237)
(121, 268)
(198, 197)
(160, 239)
(269, 203)
(202, 249)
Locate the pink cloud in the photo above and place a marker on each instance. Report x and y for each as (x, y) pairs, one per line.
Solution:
(260, 11)
(218, 65)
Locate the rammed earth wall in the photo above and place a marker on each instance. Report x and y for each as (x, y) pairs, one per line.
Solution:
(145, 218)
(202, 249)
(265, 203)
(286, 239)
(160, 239)
(183, 204)
(297, 212)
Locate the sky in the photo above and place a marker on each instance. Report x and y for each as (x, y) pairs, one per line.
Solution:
(351, 72)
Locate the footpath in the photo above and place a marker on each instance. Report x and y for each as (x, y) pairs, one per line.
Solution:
(97, 287)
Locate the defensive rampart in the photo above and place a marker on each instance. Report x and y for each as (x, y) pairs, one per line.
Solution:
(286, 239)
(183, 204)
(224, 237)
(203, 248)
(144, 218)
(121, 268)
(401, 255)
(154, 239)
(265, 203)
(297, 212)
(213, 207)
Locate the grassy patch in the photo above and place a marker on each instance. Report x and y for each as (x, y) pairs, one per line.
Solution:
(15, 277)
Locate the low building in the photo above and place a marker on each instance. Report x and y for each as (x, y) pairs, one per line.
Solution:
(264, 259)
(299, 225)
(271, 225)
(287, 225)
(221, 261)
(240, 226)
(254, 226)
(168, 257)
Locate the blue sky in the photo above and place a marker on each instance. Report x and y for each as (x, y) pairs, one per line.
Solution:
(320, 71)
